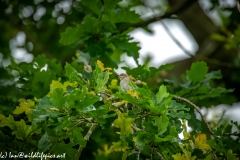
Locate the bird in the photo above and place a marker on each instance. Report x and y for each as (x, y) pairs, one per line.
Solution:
(124, 82)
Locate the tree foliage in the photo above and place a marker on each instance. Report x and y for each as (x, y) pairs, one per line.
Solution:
(78, 108)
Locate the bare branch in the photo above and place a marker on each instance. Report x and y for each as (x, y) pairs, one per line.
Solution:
(232, 134)
(197, 109)
(159, 155)
(135, 128)
(175, 10)
(74, 127)
(175, 40)
(138, 153)
(151, 152)
(86, 138)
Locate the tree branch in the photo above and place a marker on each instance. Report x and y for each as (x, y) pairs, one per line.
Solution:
(175, 40)
(151, 152)
(138, 153)
(86, 138)
(175, 10)
(232, 134)
(74, 126)
(159, 155)
(197, 109)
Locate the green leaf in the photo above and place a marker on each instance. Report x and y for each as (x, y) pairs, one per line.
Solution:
(162, 93)
(214, 75)
(76, 95)
(125, 154)
(87, 102)
(143, 138)
(65, 150)
(91, 25)
(41, 84)
(153, 71)
(45, 143)
(162, 123)
(76, 137)
(143, 73)
(40, 61)
(124, 16)
(73, 75)
(104, 109)
(197, 72)
(215, 146)
(71, 35)
(43, 111)
(100, 120)
(176, 110)
(4, 121)
(130, 99)
(125, 124)
(173, 132)
(158, 140)
(57, 98)
(150, 127)
(109, 115)
(21, 130)
(94, 5)
(100, 77)
(130, 48)
(110, 4)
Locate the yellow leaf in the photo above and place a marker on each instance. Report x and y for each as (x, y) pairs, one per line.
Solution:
(58, 84)
(106, 149)
(113, 84)
(125, 124)
(77, 55)
(187, 154)
(131, 77)
(54, 109)
(118, 104)
(24, 106)
(180, 156)
(200, 143)
(7, 121)
(132, 93)
(184, 126)
(118, 146)
(108, 69)
(91, 93)
(100, 65)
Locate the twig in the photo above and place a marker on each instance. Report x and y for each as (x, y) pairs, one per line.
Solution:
(74, 127)
(86, 138)
(232, 134)
(175, 39)
(159, 155)
(143, 119)
(213, 156)
(138, 153)
(217, 62)
(208, 60)
(171, 35)
(151, 152)
(197, 109)
(168, 14)
(135, 128)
